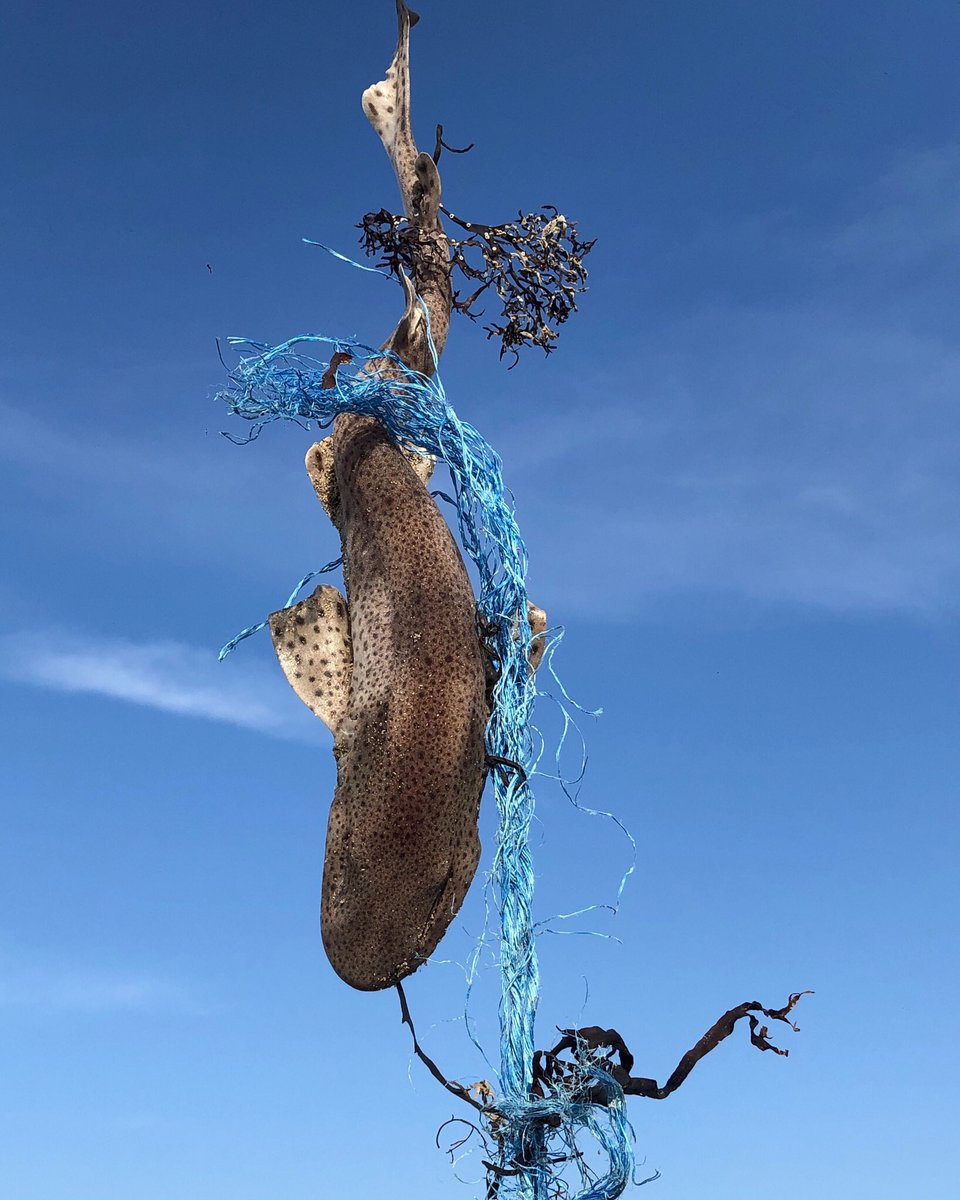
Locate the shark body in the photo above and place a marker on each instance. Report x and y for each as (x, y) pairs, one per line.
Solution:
(395, 669)
(397, 672)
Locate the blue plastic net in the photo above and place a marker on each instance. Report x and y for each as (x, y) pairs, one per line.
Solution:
(286, 382)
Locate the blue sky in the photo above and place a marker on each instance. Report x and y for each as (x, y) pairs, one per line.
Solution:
(737, 477)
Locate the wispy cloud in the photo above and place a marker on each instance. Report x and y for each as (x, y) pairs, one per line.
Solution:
(183, 496)
(42, 986)
(802, 452)
(909, 215)
(835, 493)
(164, 675)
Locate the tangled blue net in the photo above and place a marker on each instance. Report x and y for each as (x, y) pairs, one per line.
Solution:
(286, 382)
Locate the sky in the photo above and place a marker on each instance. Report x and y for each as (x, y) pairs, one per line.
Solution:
(737, 477)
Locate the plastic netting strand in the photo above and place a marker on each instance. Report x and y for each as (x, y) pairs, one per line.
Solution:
(285, 382)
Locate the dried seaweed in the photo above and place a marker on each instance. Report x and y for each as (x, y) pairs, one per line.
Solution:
(577, 1080)
(534, 264)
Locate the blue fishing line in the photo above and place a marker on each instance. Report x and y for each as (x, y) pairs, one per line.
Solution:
(343, 258)
(291, 599)
(286, 382)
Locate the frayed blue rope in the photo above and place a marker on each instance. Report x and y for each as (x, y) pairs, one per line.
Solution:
(571, 787)
(252, 629)
(606, 1122)
(284, 383)
(348, 261)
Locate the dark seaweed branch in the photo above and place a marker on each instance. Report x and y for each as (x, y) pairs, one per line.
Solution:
(450, 1084)
(391, 237)
(550, 1072)
(534, 264)
(440, 144)
(574, 1081)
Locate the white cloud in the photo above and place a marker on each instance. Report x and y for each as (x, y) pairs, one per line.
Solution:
(909, 215)
(826, 491)
(802, 452)
(46, 987)
(165, 675)
(181, 499)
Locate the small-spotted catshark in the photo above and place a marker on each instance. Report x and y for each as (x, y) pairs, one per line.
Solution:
(397, 670)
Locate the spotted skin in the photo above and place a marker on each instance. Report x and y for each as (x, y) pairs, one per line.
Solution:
(402, 842)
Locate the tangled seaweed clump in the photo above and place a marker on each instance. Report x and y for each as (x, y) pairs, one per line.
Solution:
(535, 265)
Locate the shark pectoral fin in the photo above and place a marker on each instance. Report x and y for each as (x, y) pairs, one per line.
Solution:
(538, 634)
(319, 464)
(312, 641)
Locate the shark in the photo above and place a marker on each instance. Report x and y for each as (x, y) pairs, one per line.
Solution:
(396, 668)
